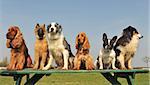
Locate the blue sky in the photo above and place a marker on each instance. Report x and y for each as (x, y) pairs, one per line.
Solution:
(91, 16)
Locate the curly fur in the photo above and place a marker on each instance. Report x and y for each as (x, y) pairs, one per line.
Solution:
(19, 51)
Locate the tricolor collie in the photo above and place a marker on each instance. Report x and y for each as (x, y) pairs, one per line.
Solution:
(126, 47)
(106, 58)
(59, 49)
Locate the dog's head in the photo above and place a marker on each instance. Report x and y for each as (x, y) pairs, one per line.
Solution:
(54, 28)
(82, 41)
(131, 32)
(14, 37)
(108, 43)
(40, 31)
(13, 32)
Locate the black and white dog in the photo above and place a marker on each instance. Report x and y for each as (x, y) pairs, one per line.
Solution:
(106, 58)
(126, 47)
(59, 48)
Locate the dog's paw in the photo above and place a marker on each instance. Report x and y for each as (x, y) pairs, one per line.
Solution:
(45, 68)
(64, 68)
(115, 68)
(123, 68)
(101, 68)
(35, 68)
(19, 67)
(130, 68)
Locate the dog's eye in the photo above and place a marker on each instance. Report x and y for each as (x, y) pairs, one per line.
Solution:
(55, 25)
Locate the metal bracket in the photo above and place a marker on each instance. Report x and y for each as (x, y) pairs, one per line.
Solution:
(112, 79)
(18, 79)
(34, 79)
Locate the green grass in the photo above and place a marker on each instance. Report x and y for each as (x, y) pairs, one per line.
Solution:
(78, 79)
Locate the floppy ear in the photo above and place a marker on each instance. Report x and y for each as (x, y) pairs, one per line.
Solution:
(86, 44)
(113, 40)
(105, 40)
(48, 26)
(8, 43)
(76, 42)
(60, 28)
(18, 40)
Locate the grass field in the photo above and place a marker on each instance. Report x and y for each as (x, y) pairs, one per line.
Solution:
(79, 79)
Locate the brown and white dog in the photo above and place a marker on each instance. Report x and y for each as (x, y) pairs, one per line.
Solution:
(59, 49)
(41, 47)
(20, 57)
(126, 47)
(83, 60)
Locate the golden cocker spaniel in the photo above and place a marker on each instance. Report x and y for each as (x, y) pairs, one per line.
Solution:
(19, 51)
(83, 60)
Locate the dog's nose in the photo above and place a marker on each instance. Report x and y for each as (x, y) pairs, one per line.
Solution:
(52, 29)
(79, 40)
(140, 37)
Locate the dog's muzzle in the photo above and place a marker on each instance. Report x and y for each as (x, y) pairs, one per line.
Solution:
(52, 30)
(9, 36)
(40, 33)
(80, 45)
(140, 36)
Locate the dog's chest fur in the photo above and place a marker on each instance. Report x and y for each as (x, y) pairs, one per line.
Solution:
(130, 47)
(41, 44)
(107, 55)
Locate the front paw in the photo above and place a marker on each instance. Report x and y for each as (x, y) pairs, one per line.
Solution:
(45, 68)
(123, 68)
(35, 68)
(19, 67)
(130, 68)
(9, 67)
(64, 68)
(115, 68)
(101, 68)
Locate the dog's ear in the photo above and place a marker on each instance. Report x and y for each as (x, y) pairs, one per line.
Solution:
(37, 25)
(60, 28)
(113, 40)
(43, 25)
(76, 43)
(48, 26)
(18, 40)
(8, 43)
(86, 44)
(105, 40)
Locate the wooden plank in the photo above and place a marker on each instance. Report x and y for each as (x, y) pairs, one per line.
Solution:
(30, 71)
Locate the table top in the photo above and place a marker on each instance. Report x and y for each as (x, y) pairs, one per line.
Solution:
(31, 71)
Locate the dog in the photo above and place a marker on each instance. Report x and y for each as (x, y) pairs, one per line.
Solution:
(106, 58)
(20, 57)
(59, 48)
(83, 60)
(126, 47)
(41, 47)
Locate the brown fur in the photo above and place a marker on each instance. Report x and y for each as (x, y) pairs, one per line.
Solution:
(19, 52)
(41, 48)
(82, 55)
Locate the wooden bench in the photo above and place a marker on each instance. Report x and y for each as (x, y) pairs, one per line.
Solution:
(110, 75)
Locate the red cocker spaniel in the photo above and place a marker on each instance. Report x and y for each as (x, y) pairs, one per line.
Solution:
(19, 51)
(83, 60)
